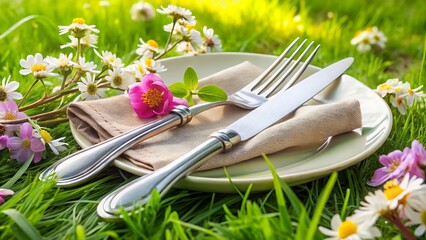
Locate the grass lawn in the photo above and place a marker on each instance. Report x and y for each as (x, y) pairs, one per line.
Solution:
(39, 209)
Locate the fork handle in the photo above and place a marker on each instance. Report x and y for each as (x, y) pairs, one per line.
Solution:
(87, 163)
(136, 193)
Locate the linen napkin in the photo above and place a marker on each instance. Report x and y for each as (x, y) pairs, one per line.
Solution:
(101, 119)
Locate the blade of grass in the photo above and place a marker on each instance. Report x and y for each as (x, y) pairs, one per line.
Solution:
(320, 206)
(23, 224)
(18, 174)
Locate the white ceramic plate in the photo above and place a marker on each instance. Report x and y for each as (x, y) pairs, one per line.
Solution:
(295, 165)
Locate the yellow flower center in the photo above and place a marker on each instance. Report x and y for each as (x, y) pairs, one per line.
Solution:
(152, 97)
(117, 80)
(38, 67)
(410, 91)
(190, 27)
(79, 20)
(140, 67)
(423, 217)
(26, 143)
(369, 29)
(394, 165)
(111, 59)
(46, 136)
(148, 62)
(9, 116)
(385, 86)
(392, 189)
(3, 94)
(397, 89)
(346, 229)
(358, 33)
(152, 43)
(365, 41)
(92, 88)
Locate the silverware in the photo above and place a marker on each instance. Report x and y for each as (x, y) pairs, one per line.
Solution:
(135, 194)
(87, 163)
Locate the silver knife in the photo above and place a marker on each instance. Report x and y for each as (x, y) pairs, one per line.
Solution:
(135, 194)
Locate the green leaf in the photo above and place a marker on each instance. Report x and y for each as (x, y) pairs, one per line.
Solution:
(189, 99)
(26, 227)
(211, 93)
(190, 78)
(179, 89)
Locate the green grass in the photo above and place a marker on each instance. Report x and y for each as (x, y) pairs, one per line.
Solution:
(250, 26)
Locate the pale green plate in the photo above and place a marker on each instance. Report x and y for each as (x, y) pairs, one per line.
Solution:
(295, 165)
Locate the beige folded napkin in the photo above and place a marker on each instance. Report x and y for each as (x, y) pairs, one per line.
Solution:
(102, 119)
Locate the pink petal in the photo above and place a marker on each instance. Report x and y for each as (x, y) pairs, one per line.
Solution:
(37, 157)
(3, 142)
(37, 145)
(179, 101)
(14, 143)
(380, 176)
(21, 115)
(12, 106)
(5, 192)
(23, 155)
(26, 130)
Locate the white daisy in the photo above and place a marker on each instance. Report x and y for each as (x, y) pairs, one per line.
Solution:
(396, 191)
(137, 69)
(400, 103)
(37, 66)
(147, 49)
(186, 48)
(390, 86)
(211, 40)
(142, 11)
(87, 41)
(153, 66)
(56, 145)
(178, 13)
(63, 63)
(195, 38)
(374, 206)
(109, 59)
(120, 78)
(7, 90)
(104, 3)
(412, 94)
(78, 28)
(351, 228)
(82, 66)
(377, 37)
(89, 88)
(363, 41)
(416, 213)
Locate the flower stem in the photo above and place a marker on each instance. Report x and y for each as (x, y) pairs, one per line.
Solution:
(395, 219)
(53, 122)
(166, 49)
(26, 94)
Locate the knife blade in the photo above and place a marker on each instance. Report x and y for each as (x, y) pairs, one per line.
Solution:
(135, 194)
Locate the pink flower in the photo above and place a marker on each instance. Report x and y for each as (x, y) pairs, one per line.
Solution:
(9, 111)
(151, 97)
(418, 152)
(3, 193)
(3, 142)
(26, 144)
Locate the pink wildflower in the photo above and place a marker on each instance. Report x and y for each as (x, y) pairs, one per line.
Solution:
(151, 97)
(395, 165)
(3, 193)
(9, 111)
(418, 152)
(26, 144)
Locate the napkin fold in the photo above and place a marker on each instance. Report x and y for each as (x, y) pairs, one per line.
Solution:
(101, 119)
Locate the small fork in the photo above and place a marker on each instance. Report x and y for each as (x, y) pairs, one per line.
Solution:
(83, 165)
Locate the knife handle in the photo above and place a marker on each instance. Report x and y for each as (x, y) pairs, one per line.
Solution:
(138, 192)
(87, 163)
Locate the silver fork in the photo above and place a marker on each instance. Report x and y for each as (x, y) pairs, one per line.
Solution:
(85, 164)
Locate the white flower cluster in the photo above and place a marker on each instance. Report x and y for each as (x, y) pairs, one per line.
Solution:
(402, 95)
(405, 200)
(366, 39)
